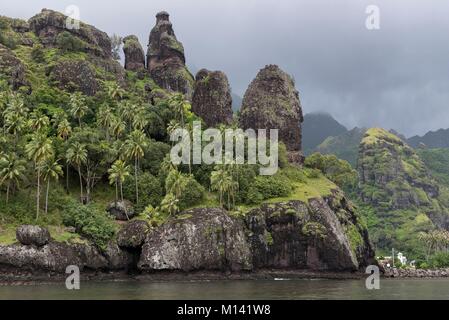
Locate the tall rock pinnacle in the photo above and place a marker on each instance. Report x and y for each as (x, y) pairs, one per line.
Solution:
(134, 55)
(165, 58)
(212, 99)
(272, 102)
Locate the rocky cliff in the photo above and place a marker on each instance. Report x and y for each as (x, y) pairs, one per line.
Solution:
(212, 99)
(402, 196)
(272, 102)
(165, 58)
(388, 164)
(322, 234)
(134, 55)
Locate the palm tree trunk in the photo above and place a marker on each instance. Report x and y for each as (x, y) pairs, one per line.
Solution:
(46, 196)
(7, 192)
(38, 192)
(81, 184)
(135, 178)
(116, 191)
(121, 191)
(67, 177)
(79, 121)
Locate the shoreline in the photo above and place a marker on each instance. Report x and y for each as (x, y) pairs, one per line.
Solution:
(24, 278)
(33, 278)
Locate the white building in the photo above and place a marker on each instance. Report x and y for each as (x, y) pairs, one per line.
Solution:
(402, 258)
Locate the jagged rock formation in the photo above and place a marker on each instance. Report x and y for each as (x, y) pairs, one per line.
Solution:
(391, 174)
(212, 99)
(75, 75)
(323, 234)
(12, 68)
(165, 58)
(134, 55)
(48, 24)
(272, 102)
(320, 234)
(208, 240)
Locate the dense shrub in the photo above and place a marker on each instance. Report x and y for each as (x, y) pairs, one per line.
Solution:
(337, 170)
(90, 222)
(266, 187)
(439, 260)
(69, 43)
(191, 192)
(150, 190)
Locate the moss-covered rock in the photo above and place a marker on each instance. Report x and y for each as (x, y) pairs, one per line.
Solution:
(134, 55)
(48, 24)
(166, 60)
(272, 102)
(212, 99)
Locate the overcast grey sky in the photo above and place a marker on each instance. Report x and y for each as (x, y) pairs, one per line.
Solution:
(396, 77)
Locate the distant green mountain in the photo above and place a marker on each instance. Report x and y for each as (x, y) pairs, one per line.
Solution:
(345, 146)
(437, 161)
(432, 139)
(317, 127)
(403, 197)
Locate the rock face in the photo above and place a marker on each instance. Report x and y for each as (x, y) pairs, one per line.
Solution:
(52, 257)
(297, 235)
(32, 235)
(212, 99)
(324, 234)
(49, 24)
(272, 102)
(13, 68)
(207, 240)
(165, 58)
(121, 210)
(75, 75)
(391, 173)
(133, 234)
(134, 55)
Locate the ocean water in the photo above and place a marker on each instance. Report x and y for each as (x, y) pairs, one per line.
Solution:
(234, 289)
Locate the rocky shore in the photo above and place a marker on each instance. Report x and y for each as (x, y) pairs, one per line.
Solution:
(416, 273)
(285, 239)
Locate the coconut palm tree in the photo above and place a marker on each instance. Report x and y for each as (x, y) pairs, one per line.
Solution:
(170, 204)
(139, 121)
(38, 121)
(77, 156)
(176, 179)
(118, 173)
(115, 92)
(12, 171)
(14, 123)
(78, 107)
(222, 181)
(51, 169)
(105, 118)
(135, 149)
(178, 103)
(39, 149)
(64, 130)
(118, 127)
